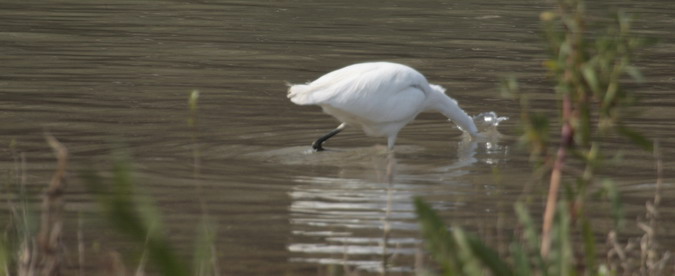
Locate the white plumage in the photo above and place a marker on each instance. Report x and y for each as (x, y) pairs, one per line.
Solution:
(379, 97)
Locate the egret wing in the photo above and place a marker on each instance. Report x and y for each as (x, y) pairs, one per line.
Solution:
(377, 92)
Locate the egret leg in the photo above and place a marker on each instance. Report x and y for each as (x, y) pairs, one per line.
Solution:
(317, 144)
(391, 141)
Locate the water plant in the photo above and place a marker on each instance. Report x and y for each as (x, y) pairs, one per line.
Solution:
(134, 217)
(589, 67)
(33, 246)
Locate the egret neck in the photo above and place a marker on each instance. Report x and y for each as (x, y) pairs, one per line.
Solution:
(449, 107)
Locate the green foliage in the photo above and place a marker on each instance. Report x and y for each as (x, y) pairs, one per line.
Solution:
(458, 253)
(138, 218)
(611, 193)
(204, 255)
(24, 219)
(534, 126)
(589, 67)
(636, 137)
(193, 106)
(560, 261)
(5, 258)
(140, 222)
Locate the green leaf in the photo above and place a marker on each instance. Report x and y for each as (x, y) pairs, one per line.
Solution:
(459, 253)
(469, 262)
(614, 196)
(488, 257)
(193, 106)
(562, 252)
(123, 212)
(552, 65)
(634, 73)
(589, 243)
(439, 241)
(509, 87)
(204, 249)
(5, 257)
(531, 236)
(523, 266)
(591, 78)
(192, 100)
(636, 137)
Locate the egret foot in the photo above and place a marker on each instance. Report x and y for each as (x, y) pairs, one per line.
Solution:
(317, 144)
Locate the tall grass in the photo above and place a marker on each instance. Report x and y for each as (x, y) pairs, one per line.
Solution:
(31, 246)
(136, 218)
(141, 222)
(588, 67)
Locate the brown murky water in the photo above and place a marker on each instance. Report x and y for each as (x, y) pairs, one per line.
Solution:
(98, 74)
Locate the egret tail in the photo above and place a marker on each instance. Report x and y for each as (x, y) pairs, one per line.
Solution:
(300, 94)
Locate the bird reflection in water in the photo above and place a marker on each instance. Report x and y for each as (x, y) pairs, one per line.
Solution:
(364, 219)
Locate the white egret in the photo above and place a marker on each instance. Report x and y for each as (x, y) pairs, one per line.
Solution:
(379, 97)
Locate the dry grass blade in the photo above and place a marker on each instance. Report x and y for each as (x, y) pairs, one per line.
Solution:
(80, 247)
(653, 260)
(644, 255)
(47, 258)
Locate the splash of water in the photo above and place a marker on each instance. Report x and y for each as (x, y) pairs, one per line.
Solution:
(488, 121)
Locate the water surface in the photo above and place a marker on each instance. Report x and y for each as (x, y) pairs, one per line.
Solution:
(100, 74)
